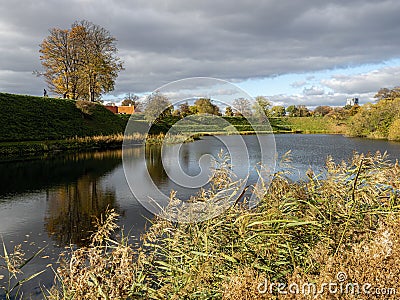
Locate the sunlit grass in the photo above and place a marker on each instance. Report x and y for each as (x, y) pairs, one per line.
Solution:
(14, 262)
(100, 142)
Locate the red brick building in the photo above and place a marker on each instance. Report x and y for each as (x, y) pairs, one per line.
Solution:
(126, 110)
(112, 108)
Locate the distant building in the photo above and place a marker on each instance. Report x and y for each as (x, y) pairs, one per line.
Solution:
(125, 110)
(112, 108)
(352, 101)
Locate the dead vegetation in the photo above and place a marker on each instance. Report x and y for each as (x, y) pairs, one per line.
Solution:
(306, 233)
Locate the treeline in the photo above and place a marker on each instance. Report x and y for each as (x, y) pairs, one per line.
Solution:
(158, 104)
(380, 120)
(158, 110)
(377, 120)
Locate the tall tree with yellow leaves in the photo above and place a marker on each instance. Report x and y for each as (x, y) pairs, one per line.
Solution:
(80, 62)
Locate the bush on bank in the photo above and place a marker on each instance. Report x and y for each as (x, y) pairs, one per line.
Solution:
(377, 120)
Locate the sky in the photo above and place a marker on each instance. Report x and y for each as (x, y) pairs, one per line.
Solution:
(307, 52)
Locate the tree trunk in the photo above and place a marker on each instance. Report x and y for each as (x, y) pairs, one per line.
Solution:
(92, 84)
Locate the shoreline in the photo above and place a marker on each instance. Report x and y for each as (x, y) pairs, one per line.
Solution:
(24, 150)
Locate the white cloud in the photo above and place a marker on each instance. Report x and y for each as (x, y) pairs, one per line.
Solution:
(364, 83)
(313, 91)
(298, 84)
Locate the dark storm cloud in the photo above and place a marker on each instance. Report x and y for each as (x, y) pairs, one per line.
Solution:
(161, 41)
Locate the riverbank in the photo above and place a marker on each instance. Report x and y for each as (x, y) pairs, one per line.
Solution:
(25, 150)
(28, 149)
(312, 125)
(284, 125)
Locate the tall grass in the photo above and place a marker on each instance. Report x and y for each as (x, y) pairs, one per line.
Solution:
(278, 237)
(104, 270)
(346, 219)
(101, 142)
(304, 231)
(14, 263)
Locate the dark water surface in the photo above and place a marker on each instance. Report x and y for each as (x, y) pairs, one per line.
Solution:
(50, 202)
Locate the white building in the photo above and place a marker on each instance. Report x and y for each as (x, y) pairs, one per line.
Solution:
(352, 101)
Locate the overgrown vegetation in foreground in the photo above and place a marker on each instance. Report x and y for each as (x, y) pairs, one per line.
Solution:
(301, 232)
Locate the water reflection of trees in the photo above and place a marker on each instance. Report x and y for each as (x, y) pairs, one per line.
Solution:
(154, 164)
(73, 207)
(54, 170)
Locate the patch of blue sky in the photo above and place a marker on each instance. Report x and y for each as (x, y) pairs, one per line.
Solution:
(294, 83)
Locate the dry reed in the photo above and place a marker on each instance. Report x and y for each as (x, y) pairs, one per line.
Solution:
(344, 220)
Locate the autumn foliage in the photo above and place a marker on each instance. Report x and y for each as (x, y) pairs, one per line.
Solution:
(80, 62)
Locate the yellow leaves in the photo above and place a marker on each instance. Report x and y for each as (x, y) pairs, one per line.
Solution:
(80, 61)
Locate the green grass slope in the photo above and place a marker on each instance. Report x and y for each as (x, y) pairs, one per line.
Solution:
(313, 125)
(28, 118)
(242, 124)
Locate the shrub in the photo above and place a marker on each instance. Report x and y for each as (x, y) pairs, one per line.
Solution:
(394, 131)
(87, 107)
(374, 120)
